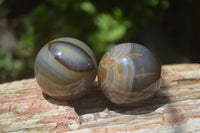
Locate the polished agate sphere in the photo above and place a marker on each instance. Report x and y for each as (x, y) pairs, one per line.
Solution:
(129, 74)
(65, 68)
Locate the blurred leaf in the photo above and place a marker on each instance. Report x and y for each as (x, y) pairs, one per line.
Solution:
(152, 3)
(10, 68)
(18, 66)
(165, 4)
(118, 13)
(102, 24)
(5, 60)
(110, 29)
(60, 4)
(27, 39)
(1, 1)
(88, 7)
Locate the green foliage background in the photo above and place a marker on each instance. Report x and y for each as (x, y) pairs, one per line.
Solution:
(101, 24)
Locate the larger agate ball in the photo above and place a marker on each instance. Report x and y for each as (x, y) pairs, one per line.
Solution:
(65, 68)
(129, 74)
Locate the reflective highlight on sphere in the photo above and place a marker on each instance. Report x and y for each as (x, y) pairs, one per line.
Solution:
(65, 68)
(129, 74)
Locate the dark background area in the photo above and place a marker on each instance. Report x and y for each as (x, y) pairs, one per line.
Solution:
(171, 29)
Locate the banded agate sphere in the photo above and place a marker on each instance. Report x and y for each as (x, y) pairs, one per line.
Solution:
(129, 74)
(65, 68)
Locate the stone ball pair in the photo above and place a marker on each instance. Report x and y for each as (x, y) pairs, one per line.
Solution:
(128, 74)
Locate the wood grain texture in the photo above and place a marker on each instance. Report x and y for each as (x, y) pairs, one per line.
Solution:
(175, 108)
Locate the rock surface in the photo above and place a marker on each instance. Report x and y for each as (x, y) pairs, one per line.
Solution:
(175, 108)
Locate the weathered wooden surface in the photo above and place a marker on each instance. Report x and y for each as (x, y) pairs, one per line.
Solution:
(175, 108)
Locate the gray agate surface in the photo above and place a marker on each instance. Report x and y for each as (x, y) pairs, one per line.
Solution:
(65, 68)
(129, 74)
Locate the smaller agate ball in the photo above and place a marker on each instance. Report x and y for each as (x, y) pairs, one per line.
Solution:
(65, 68)
(129, 74)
